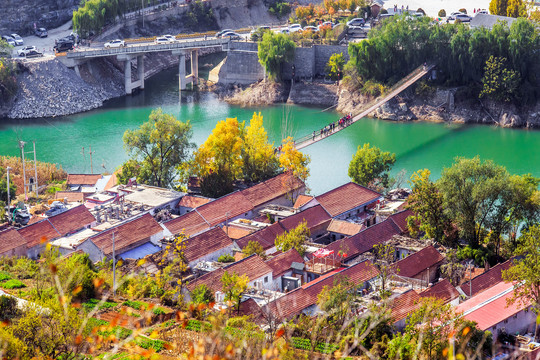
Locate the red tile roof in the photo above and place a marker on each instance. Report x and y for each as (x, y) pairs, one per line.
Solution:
(442, 290)
(191, 223)
(282, 262)
(226, 207)
(302, 200)
(400, 218)
(346, 197)
(314, 216)
(72, 220)
(253, 266)
(345, 227)
(365, 239)
(192, 201)
(206, 243)
(83, 179)
(272, 189)
(10, 239)
(235, 232)
(491, 307)
(266, 237)
(486, 280)
(250, 307)
(414, 264)
(71, 196)
(38, 233)
(127, 235)
(403, 305)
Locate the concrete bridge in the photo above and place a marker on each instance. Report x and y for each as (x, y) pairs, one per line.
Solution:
(137, 51)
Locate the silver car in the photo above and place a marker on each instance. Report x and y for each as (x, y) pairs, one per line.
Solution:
(18, 40)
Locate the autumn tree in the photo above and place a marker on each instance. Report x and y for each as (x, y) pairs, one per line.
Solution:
(499, 82)
(335, 66)
(158, 146)
(383, 258)
(370, 166)
(427, 204)
(295, 238)
(525, 271)
(234, 286)
(516, 8)
(294, 163)
(254, 247)
(337, 300)
(498, 7)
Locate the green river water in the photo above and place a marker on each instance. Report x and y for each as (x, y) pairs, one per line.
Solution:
(416, 144)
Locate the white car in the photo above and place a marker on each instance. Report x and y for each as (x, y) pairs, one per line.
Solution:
(9, 40)
(311, 28)
(172, 37)
(115, 43)
(164, 40)
(18, 40)
(295, 27)
(453, 15)
(25, 50)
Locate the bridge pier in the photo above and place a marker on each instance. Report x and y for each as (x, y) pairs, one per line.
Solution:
(192, 78)
(129, 85)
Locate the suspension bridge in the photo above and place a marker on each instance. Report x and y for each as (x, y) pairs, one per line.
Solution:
(401, 85)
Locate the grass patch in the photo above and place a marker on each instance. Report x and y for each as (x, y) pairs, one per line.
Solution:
(4, 276)
(158, 311)
(13, 284)
(168, 323)
(147, 344)
(104, 328)
(137, 305)
(196, 325)
(92, 303)
(305, 344)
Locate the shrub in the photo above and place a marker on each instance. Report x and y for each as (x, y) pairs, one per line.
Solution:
(280, 9)
(137, 305)
(8, 307)
(147, 344)
(196, 325)
(13, 284)
(4, 276)
(423, 89)
(442, 13)
(226, 258)
(420, 10)
(158, 311)
(373, 88)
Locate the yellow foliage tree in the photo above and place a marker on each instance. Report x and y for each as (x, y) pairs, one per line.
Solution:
(260, 162)
(295, 163)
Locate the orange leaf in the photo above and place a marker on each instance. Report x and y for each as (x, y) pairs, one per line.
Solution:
(280, 333)
(77, 290)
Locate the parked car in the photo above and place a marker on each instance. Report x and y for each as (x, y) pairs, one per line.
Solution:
(41, 32)
(172, 37)
(356, 22)
(33, 54)
(463, 18)
(25, 49)
(453, 15)
(284, 30)
(164, 40)
(326, 23)
(9, 40)
(63, 45)
(311, 28)
(295, 27)
(220, 33)
(18, 40)
(483, 11)
(115, 43)
(231, 35)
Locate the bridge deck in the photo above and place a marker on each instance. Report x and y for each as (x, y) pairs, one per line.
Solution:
(404, 83)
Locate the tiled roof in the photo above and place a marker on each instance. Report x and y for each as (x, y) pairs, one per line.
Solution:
(113, 181)
(491, 306)
(346, 197)
(282, 262)
(72, 220)
(71, 196)
(400, 219)
(302, 200)
(250, 307)
(38, 233)
(82, 179)
(365, 239)
(126, 235)
(10, 239)
(192, 201)
(271, 189)
(403, 305)
(226, 207)
(344, 227)
(486, 280)
(415, 263)
(252, 266)
(314, 216)
(206, 243)
(235, 232)
(442, 290)
(265, 237)
(296, 301)
(191, 223)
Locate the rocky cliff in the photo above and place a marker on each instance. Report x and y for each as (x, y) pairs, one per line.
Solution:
(19, 16)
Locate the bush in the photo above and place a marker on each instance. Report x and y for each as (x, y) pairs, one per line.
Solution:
(420, 10)
(196, 325)
(4, 276)
(226, 258)
(147, 344)
(8, 307)
(158, 311)
(373, 88)
(137, 305)
(280, 9)
(8, 82)
(442, 13)
(423, 89)
(200, 16)
(13, 284)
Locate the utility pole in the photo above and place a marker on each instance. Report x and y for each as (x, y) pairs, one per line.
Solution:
(142, 12)
(35, 168)
(21, 145)
(114, 268)
(91, 166)
(8, 199)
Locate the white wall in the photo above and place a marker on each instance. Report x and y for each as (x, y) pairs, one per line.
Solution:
(522, 322)
(212, 256)
(92, 250)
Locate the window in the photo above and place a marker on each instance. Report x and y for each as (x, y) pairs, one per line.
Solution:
(265, 279)
(515, 316)
(506, 321)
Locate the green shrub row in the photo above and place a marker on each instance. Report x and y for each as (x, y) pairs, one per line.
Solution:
(305, 344)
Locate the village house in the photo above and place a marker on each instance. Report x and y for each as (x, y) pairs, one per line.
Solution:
(189, 202)
(485, 280)
(207, 246)
(12, 243)
(133, 239)
(422, 265)
(283, 271)
(444, 291)
(402, 306)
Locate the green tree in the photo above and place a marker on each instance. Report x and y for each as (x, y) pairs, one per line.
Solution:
(337, 300)
(335, 66)
(159, 146)
(234, 286)
(453, 269)
(3, 186)
(471, 189)
(93, 15)
(254, 247)
(499, 83)
(384, 255)
(273, 51)
(295, 238)
(128, 170)
(442, 13)
(525, 271)
(202, 295)
(369, 167)
(427, 204)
